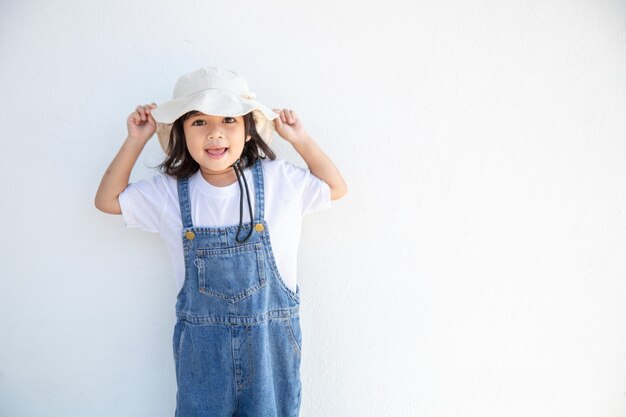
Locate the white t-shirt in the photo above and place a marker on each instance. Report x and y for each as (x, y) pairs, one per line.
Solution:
(291, 192)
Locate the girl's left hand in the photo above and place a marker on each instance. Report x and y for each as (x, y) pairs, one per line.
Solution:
(288, 126)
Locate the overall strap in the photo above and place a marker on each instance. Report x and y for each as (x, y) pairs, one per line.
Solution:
(183, 199)
(259, 200)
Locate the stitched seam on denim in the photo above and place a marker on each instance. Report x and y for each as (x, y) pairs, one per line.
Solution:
(293, 337)
(260, 191)
(180, 340)
(260, 282)
(271, 315)
(198, 230)
(186, 261)
(232, 351)
(248, 247)
(183, 200)
(234, 298)
(249, 335)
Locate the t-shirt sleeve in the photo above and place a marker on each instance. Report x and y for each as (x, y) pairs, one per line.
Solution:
(143, 202)
(312, 192)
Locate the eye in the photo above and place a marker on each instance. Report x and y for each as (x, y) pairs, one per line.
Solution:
(230, 119)
(198, 122)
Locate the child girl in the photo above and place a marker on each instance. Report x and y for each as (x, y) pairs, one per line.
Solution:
(237, 339)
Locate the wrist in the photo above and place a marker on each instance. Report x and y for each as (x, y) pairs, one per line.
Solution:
(135, 141)
(301, 140)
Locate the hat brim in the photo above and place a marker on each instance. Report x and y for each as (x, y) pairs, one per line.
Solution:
(216, 103)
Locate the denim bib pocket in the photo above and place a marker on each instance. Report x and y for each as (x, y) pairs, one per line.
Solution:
(231, 273)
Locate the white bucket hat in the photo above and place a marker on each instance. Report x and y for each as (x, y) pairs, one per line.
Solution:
(216, 92)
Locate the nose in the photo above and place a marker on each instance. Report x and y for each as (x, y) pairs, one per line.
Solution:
(214, 131)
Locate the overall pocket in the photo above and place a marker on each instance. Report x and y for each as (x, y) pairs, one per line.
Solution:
(295, 333)
(177, 344)
(232, 273)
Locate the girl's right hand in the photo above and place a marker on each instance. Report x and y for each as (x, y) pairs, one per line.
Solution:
(140, 123)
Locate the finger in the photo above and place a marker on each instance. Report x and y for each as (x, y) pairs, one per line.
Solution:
(288, 116)
(281, 114)
(145, 110)
(278, 122)
(141, 112)
(135, 117)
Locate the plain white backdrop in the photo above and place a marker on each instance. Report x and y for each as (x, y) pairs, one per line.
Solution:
(475, 268)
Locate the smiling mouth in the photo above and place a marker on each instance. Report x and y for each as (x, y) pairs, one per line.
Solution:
(216, 153)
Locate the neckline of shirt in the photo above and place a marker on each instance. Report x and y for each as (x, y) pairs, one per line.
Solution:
(210, 190)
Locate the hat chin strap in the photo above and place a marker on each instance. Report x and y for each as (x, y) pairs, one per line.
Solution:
(240, 177)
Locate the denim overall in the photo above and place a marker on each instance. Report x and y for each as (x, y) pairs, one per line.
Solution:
(237, 336)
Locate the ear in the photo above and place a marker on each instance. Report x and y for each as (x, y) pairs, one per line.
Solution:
(248, 138)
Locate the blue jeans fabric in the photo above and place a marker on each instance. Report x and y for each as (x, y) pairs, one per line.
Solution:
(237, 340)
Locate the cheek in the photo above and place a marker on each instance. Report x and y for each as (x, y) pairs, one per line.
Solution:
(238, 139)
(194, 146)
(238, 131)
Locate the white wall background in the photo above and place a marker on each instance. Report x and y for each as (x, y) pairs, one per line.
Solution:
(476, 267)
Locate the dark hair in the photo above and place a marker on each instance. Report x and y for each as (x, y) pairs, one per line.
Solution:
(180, 164)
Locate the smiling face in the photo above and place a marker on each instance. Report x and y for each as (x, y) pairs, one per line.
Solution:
(215, 143)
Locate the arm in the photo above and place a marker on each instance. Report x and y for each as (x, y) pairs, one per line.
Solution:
(289, 128)
(141, 126)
